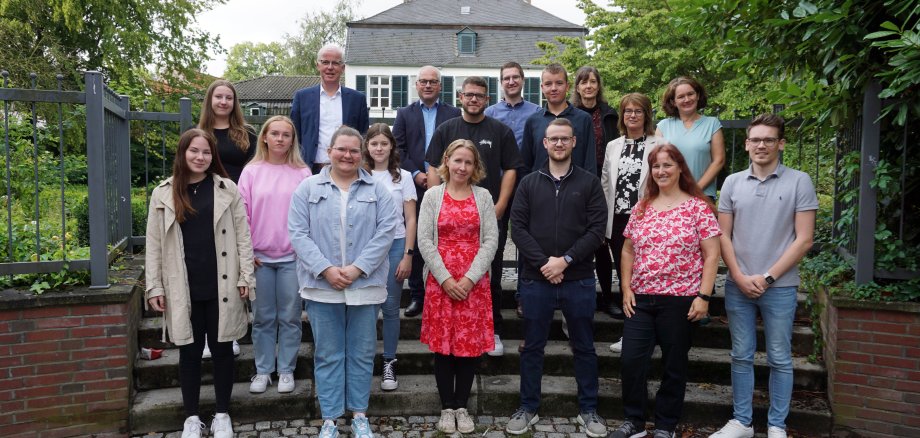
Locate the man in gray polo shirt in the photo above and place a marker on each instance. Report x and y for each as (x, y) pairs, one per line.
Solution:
(767, 216)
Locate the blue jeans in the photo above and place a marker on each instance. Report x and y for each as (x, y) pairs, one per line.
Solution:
(391, 305)
(539, 300)
(663, 320)
(345, 340)
(777, 308)
(276, 318)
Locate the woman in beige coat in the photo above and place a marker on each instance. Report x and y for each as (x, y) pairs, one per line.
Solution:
(199, 271)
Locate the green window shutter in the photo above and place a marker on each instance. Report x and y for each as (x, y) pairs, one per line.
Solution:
(532, 90)
(447, 89)
(466, 43)
(400, 91)
(493, 90)
(361, 83)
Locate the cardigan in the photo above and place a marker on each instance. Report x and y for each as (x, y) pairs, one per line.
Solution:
(428, 234)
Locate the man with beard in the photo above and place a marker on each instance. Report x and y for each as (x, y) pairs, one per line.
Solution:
(501, 158)
(557, 222)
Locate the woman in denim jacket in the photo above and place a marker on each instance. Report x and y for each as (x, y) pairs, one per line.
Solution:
(342, 224)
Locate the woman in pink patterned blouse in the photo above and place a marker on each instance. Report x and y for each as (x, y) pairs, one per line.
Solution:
(669, 264)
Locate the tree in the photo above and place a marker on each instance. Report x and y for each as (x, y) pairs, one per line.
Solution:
(316, 30)
(248, 60)
(118, 37)
(640, 45)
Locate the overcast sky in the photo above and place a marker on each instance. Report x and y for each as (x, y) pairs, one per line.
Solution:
(268, 20)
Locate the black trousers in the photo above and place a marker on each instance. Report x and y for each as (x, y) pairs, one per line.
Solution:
(616, 249)
(416, 282)
(661, 320)
(204, 316)
(495, 282)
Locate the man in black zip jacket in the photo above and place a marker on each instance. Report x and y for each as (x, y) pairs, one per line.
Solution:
(557, 222)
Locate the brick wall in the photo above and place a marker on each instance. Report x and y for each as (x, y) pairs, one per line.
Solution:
(66, 362)
(873, 356)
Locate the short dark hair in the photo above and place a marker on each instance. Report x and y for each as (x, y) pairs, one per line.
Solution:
(561, 122)
(507, 65)
(478, 81)
(667, 100)
(554, 69)
(769, 119)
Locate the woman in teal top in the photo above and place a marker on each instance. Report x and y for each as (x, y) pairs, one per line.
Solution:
(699, 138)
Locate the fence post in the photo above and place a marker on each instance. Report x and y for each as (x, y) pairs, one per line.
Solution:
(95, 163)
(869, 156)
(185, 114)
(123, 177)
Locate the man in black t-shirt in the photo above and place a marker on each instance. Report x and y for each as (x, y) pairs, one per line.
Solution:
(499, 152)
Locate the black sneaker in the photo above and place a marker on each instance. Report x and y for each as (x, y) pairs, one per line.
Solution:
(389, 382)
(628, 430)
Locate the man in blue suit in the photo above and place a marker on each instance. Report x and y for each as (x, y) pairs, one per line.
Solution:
(413, 128)
(317, 115)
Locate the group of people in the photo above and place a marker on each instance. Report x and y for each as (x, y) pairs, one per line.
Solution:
(323, 211)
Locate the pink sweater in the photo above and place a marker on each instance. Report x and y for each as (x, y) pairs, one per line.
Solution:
(266, 190)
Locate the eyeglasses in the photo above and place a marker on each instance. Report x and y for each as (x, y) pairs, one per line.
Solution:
(637, 112)
(346, 151)
(767, 141)
(327, 63)
(511, 78)
(557, 140)
(472, 96)
(427, 82)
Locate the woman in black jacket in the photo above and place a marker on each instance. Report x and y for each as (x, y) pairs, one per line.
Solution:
(588, 96)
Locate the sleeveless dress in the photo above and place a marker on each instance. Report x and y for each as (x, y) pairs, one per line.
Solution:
(460, 328)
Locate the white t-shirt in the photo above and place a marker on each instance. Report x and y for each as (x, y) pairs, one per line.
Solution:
(401, 191)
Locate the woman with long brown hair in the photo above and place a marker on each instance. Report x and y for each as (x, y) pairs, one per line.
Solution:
(222, 116)
(199, 271)
(670, 258)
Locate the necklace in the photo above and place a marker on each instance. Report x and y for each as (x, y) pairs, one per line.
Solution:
(195, 188)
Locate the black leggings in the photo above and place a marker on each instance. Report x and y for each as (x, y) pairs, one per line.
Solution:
(454, 376)
(204, 320)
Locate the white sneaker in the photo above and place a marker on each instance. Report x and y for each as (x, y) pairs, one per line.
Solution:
(617, 346)
(236, 348)
(499, 348)
(465, 423)
(221, 427)
(259, 383)
(775, 432)
(286, 383)
(734, 429)
(448, 422)
(192, 427)
(206, 354)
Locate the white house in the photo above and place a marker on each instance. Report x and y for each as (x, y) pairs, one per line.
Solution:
(461, 37)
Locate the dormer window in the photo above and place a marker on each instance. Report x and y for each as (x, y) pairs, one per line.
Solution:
(466, 42)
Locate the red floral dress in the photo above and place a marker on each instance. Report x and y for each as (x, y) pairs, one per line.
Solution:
(460, 328)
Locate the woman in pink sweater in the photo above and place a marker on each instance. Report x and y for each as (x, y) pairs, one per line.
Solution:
(266, 185)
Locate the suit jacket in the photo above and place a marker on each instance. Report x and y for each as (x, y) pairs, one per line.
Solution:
(305, 114)
(409, 131)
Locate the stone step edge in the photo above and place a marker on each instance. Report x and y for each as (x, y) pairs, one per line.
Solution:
(705, 404)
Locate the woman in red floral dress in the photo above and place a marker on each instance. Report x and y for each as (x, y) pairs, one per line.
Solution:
(669, 264)
(457, 236)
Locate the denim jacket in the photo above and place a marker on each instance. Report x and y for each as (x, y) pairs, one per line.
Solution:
(315, 230)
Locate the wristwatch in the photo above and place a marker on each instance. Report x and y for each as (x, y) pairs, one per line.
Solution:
(410, 251)
(768, 278)
(568, 259)
(705, 297)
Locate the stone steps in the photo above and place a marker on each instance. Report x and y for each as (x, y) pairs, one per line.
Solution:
(706, 404)
(707, 365)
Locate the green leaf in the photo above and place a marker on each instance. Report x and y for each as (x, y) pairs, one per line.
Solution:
(890, 26)
(879, 34)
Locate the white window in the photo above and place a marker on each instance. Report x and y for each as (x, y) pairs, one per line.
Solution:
(255, 111)
(379, 91)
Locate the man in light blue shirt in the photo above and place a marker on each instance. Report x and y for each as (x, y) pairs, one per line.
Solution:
(513, 110)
